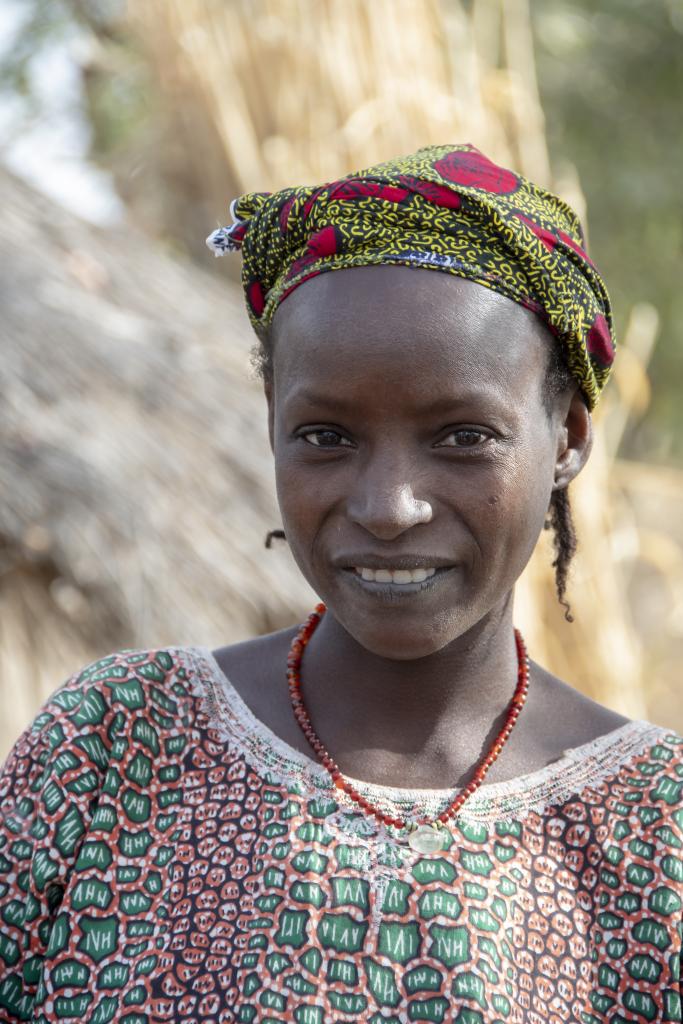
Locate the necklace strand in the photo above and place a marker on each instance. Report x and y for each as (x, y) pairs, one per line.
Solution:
(301, 714)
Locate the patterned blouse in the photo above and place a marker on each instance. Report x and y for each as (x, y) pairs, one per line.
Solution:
(164, 857)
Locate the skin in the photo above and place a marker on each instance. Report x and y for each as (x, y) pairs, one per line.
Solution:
(406, 419)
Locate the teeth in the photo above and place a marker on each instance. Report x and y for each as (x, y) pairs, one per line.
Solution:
(394, 575)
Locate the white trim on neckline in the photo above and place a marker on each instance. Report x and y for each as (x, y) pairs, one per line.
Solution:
(579, 768)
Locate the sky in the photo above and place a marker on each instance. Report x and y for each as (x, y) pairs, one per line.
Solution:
(46, 142)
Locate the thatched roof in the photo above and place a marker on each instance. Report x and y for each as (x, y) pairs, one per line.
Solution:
(134, 462)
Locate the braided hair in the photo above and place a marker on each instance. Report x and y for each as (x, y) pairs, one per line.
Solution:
(559, 378)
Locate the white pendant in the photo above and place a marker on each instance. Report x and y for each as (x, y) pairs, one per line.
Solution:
(427, 839)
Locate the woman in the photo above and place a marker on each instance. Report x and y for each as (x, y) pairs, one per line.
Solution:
(297, 828)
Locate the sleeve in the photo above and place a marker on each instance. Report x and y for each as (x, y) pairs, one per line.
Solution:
(48, 795)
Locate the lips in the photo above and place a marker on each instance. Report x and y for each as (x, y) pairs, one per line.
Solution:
(386, 584)
(396, 574)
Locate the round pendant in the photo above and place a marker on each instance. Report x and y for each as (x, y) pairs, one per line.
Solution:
(426, 839)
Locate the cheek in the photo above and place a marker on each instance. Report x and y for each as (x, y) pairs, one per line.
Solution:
(503, 508)
(512, 516)
(305, 498)
(297, 488)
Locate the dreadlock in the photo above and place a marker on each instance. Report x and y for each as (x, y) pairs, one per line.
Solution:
(559, 377)
(561, 522)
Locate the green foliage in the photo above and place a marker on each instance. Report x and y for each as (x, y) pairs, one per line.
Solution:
(117, 91)
(611, 79)
(42, 22)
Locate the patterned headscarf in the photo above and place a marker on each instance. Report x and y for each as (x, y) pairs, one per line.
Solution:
(445, 208)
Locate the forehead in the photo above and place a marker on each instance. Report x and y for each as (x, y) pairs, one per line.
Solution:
(423, 328)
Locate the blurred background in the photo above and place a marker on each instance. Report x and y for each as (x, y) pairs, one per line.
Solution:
(135, 472)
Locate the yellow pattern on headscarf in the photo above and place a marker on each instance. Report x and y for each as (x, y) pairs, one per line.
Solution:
(445, 208)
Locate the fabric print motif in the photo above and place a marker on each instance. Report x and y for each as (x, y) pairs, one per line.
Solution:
(536, 912)
(165, 858)
(90, 802)
(211, 895)
(318, 956)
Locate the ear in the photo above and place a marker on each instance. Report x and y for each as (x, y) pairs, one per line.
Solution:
(574, 443)
(270, 399)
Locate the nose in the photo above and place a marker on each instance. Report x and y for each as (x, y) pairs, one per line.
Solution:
(384, 502)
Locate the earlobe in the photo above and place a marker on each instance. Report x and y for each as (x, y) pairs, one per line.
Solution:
(575, 442)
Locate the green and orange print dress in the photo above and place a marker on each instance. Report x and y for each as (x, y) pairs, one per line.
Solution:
(165, 858)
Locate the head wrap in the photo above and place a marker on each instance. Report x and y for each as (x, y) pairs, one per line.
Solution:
(445, 208)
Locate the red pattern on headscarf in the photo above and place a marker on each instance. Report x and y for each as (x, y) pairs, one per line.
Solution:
(446, 208)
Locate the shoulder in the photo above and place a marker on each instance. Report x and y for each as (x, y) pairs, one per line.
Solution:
(255, 669)
(257, 653)
(98, 775)
(256, 672)
(641, 834)
(150, 680)
(662, 756)
(646, 796)
(660, 769)
(147, 692)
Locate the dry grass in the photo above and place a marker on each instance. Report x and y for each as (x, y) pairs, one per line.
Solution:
(305, 90)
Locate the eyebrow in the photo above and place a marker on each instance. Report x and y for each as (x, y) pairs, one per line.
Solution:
(340, 404)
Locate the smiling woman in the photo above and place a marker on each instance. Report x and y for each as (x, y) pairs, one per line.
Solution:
(422, 407)
(389, 813)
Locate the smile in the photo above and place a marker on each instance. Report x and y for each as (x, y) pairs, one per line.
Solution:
(399, 576)
(392, 584)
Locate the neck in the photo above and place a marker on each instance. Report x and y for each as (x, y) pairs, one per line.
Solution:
(452, 700)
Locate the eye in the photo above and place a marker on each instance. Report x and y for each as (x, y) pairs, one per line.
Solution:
(325, 438)
(465, 437)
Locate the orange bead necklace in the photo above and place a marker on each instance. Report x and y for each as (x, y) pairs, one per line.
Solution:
(425, 835)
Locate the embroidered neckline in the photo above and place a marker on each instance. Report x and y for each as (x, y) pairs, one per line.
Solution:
(577, 769)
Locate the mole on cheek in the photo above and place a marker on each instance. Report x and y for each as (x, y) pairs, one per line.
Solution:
(493, 499)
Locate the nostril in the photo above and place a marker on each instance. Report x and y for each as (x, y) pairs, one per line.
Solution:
(386, 517)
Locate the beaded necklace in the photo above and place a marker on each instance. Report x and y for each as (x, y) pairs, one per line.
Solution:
(424, 836)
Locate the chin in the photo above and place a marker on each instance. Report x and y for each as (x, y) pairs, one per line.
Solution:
(400, 638)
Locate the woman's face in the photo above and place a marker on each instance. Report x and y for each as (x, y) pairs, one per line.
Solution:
(410, 435)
